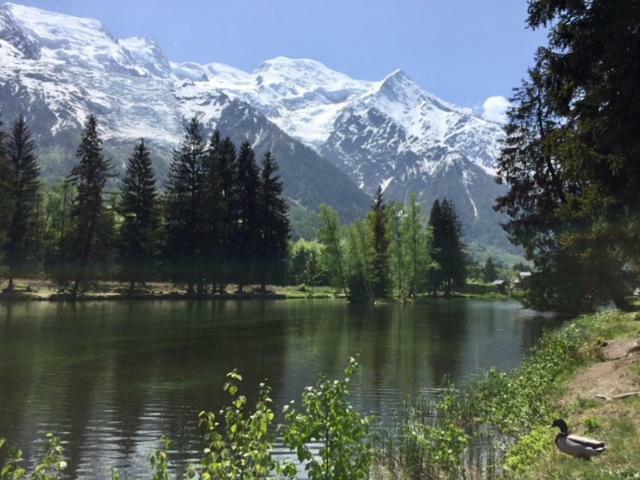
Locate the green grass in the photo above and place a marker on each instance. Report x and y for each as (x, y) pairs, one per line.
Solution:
(499, 425)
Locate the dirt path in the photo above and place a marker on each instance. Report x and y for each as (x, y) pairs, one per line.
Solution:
(616, 375)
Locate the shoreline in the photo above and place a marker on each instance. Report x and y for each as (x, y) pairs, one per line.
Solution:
(44, 291)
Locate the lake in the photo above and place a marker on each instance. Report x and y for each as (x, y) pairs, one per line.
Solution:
(111, 377)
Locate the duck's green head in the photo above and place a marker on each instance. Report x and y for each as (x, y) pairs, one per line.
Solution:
(561, 424)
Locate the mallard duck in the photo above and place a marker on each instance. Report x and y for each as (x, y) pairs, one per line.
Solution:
(575, 445)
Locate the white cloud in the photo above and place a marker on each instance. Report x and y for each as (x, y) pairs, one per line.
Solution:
(495, 109)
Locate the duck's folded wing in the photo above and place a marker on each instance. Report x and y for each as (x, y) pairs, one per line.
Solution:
(587, 442)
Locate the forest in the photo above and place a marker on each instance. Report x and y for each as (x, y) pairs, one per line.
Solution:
(219, 220)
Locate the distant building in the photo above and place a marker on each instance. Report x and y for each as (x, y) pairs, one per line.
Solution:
(501, 285)
(522, 281)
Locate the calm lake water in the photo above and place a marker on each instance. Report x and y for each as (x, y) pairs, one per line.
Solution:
(111, 377)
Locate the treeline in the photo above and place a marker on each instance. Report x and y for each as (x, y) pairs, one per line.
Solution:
(395, 252)
(221, 219)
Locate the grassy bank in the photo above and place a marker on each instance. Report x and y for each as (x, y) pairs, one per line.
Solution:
(499, 425)
(44, 290)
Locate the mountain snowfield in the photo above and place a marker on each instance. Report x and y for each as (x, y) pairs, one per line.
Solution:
(347, 134)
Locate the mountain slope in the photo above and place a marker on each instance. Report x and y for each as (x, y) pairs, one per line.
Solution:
(58, 69)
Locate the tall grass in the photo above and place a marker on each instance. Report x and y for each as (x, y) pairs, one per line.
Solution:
(468, 433)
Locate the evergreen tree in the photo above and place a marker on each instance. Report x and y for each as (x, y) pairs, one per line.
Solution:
(571, 155)
(247, 237)
(447, 249)
(20, 244)
(380, 269)
(92, 229)
(138, 242)
(435, 277)
(6, 200)
(228, 175)
(329, 235)
(186, 219)
(489, 272)
(214, 209)
(274, 224)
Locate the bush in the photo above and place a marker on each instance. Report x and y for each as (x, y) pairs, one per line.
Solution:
(328, 418)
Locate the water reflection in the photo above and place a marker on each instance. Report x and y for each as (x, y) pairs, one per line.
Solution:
(111, 377)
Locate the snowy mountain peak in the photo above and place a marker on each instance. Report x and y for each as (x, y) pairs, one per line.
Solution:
(391, 132)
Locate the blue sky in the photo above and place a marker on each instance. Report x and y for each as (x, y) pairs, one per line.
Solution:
(461, 50)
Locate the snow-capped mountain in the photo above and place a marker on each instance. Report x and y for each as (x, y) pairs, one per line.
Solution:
(58, 69)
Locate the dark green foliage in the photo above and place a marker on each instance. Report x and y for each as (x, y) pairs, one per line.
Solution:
(571, 155)
(447, 249)
(227, 171)
(92, 227)
(57, 227)
(247, 236)
(186, 218)
(23, 191)
(274, 225)
(139, 232)
(214, 207)
(380, 268)
(489, 271)
(5, 190)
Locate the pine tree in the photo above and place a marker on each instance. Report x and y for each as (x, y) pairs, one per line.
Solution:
(247, 237)
(214, 209)
(571, 156)
(437, 248)
(20, 244)
(489, 271)
(91, 227)
(228, 174)
(447, 248)
(6, 206)
(274, 224)
(186, 218)
(380, 269)
(138, 242)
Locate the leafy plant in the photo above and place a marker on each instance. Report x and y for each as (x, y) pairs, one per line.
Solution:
(328, 418)
(241, 446)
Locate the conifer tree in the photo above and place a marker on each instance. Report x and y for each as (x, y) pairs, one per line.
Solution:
(186, 218)
(228, 175)
(247, 236)
(380, 269)
(489, 272)
(274, 224)
(20, 244)
(91, 228)
(570, 157)
(447, 248)
(214, 211)
(138, 242)
(5, 190)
